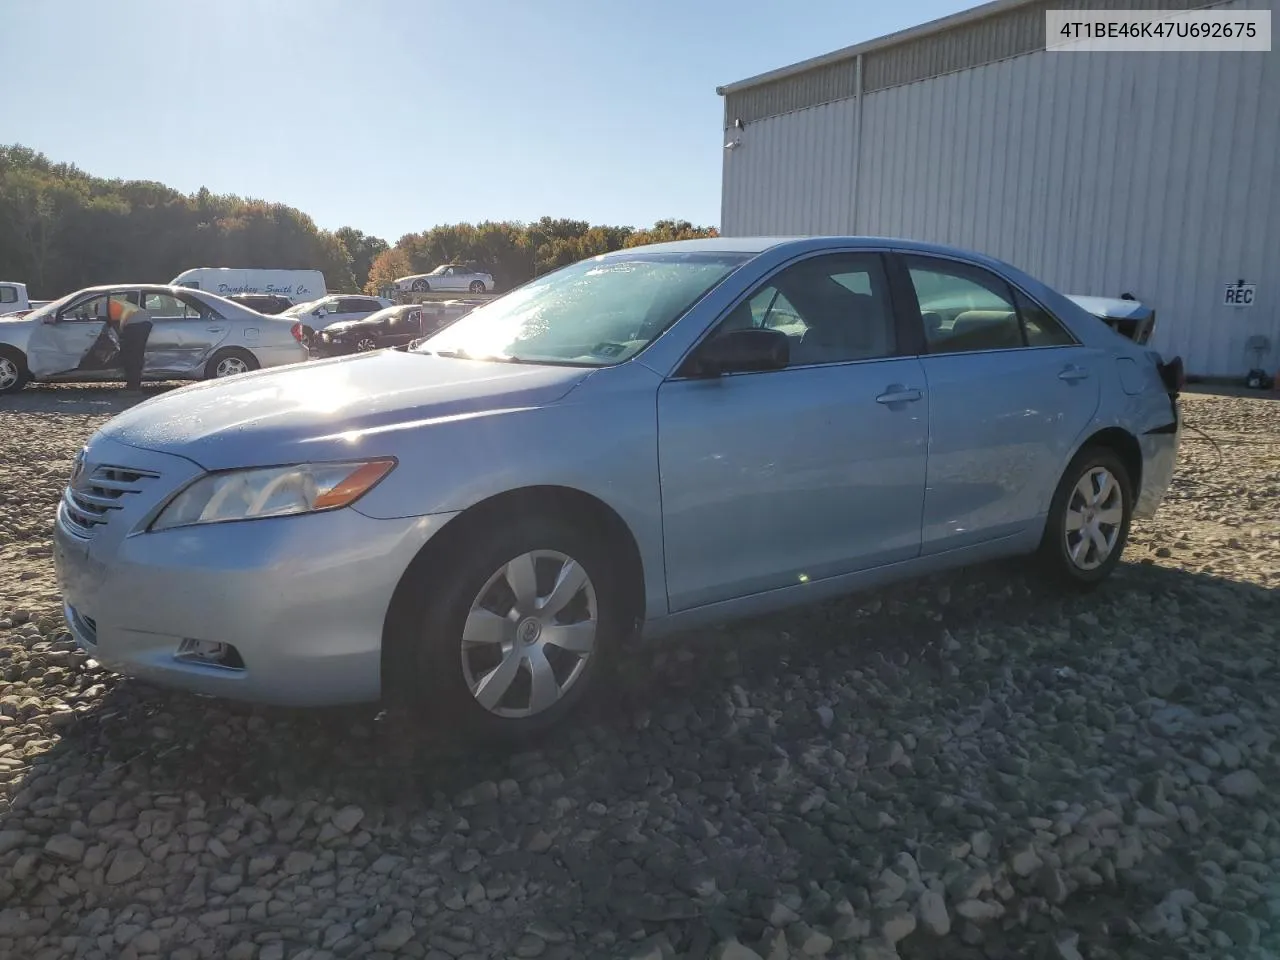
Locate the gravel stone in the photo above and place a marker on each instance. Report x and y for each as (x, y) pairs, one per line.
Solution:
(125, 865)
(348, 818)
(731, 949)
(1243, 784)
(1008, 768)
(64, 847)
(931, 910)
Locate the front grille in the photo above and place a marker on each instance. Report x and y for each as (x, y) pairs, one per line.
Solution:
(96, 493)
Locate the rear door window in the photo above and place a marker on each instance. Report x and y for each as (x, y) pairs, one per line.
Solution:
(964, 308)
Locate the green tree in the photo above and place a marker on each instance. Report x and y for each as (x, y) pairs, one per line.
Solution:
(62, 229)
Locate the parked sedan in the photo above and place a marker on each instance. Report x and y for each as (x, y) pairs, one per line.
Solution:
(336, 308)
(393, 327)
(661, 437)
(449, 276)
(194, 336)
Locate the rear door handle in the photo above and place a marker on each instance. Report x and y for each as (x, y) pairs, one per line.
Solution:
(215, 329)
(1073, 373)
(898, 394)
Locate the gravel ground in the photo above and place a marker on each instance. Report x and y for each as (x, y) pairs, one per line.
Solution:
(968, 766)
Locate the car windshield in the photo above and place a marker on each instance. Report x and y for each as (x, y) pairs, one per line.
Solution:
(384, 314)
(438, 270)
(299, 309)
(593, 313)
(49, 309)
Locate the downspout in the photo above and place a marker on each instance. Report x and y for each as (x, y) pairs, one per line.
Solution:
(857, 142)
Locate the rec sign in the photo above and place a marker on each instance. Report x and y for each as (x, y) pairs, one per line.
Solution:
(1239, 294)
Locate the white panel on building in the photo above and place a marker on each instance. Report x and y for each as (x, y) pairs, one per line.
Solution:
(1100, 173)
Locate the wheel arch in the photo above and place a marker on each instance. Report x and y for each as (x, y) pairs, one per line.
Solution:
(16, 353)
(18, 356)
(1126, 447)
(574, 505)
(210, 365)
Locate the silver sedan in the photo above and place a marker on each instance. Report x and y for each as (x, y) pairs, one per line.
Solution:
(194, 336)
(662, 437)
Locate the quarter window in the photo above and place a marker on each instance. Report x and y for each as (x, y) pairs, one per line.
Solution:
(833, 309)
(1041, 327)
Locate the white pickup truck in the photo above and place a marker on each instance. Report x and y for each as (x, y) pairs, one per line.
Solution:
(13, 298)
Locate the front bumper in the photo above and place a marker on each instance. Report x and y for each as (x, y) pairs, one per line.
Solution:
(280, 356)
(301, 599)
(322, 350)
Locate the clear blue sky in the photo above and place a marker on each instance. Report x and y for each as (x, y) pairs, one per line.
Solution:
(395, 115)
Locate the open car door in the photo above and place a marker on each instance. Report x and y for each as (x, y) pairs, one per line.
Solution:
(77, 338)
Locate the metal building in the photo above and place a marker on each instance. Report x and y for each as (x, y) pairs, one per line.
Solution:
(1152, 173)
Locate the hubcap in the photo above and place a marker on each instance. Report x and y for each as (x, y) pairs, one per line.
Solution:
(529, 634)
(8, 373)
(366, 345)
(230, 366)
(1094, 516)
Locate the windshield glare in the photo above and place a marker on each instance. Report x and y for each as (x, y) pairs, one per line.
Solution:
(298, 309)
(49, 309)
(593, 313)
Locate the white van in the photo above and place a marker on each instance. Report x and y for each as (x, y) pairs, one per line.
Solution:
(299, 286)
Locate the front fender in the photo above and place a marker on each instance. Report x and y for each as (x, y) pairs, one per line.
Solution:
(600, 439)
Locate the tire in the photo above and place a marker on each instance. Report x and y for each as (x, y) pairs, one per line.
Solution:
(1074, 557)
(477, 286)
(365, 344)
(420, 286)
(452, 675)
(13, 370)
(229, 362)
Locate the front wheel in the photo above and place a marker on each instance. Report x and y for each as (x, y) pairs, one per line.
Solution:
(421, 286)
(1088, 523)
(365, 344)
(13, 371)
(513, 638)
(477, 286)
(229, 363)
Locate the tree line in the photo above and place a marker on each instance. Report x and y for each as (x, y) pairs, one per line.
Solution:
(62, 229)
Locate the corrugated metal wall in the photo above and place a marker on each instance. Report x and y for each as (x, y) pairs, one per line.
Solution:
(1099, 173)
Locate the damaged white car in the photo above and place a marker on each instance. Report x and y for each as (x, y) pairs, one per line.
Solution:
(193, 336)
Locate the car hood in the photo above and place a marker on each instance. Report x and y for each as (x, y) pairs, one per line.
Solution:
(331, 409)
(10, 319)
(349, 326)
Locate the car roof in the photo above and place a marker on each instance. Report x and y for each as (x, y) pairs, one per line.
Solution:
(144, 287)
(760, 244)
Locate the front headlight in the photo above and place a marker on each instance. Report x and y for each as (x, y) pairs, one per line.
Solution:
(272, 492)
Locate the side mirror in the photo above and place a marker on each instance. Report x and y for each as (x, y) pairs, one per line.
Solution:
(743, 351)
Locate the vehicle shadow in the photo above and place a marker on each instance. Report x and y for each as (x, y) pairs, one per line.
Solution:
(182, 743)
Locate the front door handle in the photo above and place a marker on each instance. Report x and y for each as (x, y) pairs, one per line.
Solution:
(1073, 373)
(896, 393)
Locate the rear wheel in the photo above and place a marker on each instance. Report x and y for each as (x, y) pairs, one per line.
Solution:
(516, 635)
(1088, 523)
(229, 363)
(421, 286)
(13, 370)
(477, 286)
